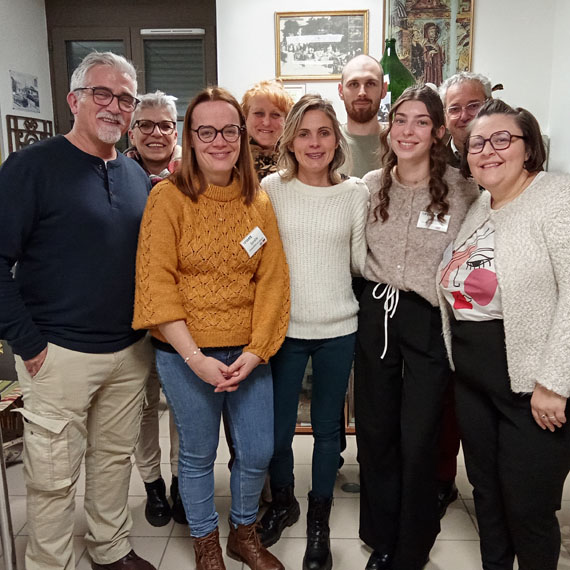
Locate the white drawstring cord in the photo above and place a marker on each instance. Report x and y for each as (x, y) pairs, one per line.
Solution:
(391, 297)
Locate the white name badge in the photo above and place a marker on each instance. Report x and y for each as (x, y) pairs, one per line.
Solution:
(425, 222)
(253, 241)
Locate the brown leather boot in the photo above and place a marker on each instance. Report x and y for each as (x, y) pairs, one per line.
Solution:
(244, 545)
(208, 552)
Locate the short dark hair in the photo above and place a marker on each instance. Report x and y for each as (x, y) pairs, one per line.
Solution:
(526, 121)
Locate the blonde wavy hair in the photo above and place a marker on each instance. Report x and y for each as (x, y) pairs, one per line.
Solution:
(287, 162)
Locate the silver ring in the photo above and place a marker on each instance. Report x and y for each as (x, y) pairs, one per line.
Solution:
(551, 417)
(543, 416)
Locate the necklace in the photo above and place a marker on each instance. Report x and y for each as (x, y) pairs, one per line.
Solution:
(410, 183)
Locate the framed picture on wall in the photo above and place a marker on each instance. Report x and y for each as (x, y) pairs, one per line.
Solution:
(316, 45)
(433, 37)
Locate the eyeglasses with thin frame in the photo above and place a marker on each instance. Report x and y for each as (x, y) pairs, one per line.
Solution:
(500, 140)
(454, 112)
(207, 133)
(103, 97)
(147, 126)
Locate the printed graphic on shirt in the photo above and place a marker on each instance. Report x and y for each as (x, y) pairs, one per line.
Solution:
(469, 279)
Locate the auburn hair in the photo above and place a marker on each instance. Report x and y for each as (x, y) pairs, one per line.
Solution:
(188, 178)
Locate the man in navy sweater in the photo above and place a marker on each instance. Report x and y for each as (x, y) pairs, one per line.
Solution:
(71, 208)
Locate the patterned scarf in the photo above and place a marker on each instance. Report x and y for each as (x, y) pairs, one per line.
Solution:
(133, 153)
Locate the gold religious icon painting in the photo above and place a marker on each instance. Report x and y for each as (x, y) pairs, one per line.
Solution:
(317, 45)
(433, 37)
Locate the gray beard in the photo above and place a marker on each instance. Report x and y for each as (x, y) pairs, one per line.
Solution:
(109, 135)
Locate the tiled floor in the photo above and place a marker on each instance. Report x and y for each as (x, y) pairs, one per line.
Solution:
(170, 547)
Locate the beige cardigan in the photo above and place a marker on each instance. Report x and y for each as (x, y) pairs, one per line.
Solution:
(532, 260)
(401, 254)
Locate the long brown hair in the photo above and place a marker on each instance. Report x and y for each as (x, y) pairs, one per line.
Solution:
(188, 178)
(438, 188)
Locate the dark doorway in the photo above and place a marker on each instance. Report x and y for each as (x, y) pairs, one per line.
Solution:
(172, 44)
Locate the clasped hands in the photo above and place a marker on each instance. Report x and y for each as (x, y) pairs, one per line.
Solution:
(224, 378)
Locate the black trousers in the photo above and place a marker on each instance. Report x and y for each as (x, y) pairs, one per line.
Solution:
(398, 405)
(517, 469)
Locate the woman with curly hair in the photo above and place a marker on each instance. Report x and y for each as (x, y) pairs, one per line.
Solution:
(401, 368)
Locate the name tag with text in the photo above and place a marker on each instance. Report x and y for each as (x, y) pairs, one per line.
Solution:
(425, 222)
(253, 241)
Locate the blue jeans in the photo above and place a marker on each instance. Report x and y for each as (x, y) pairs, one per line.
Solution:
(197, 413)
(332, 360)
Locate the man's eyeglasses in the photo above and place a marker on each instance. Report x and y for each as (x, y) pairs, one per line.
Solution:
(207, 133)
(103, 97)
(501, 140)
(147, 127)
(454, 112)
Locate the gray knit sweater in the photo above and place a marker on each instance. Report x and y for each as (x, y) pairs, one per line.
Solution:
(532, 260)
(400, 253)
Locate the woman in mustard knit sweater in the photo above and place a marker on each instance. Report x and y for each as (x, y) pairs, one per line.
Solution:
(212, 286)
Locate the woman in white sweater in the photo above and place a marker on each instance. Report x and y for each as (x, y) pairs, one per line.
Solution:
(505, 295)
(401, 369)
(321, 216)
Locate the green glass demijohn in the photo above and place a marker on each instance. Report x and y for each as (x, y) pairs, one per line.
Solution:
(398, 74)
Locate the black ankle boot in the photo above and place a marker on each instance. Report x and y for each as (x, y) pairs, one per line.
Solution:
(178, 512)
(283, 511)
(157, 510)
(318, 553)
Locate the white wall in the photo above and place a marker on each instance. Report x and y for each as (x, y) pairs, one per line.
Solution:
(559, 112)
(246, 41)
(520, 43)
(523, 44)
(23, 48)
(512, 45)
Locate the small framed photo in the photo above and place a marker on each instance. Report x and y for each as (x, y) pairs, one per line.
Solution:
(296, 91)
(316, 45)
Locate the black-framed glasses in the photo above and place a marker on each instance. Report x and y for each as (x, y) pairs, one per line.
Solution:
(146, 127)
(500, 140)
(454, 112)
(103, 97)
(207, 133)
